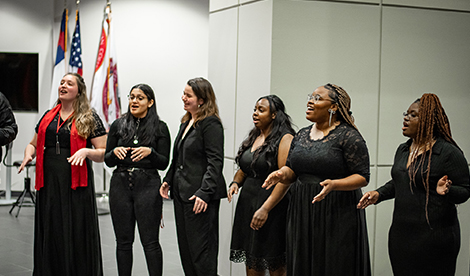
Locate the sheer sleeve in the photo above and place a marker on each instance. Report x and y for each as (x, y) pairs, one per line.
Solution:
(356, 153)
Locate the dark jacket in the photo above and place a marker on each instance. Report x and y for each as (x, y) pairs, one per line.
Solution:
(196, 168)
(8, 127)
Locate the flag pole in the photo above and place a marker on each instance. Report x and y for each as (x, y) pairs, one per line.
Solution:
(65, 33)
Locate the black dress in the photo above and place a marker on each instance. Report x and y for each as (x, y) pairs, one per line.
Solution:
(328, 237)
(66, 233)
(265, 248)
(418, 246)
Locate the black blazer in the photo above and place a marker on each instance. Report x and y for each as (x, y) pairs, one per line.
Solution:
(196, 168)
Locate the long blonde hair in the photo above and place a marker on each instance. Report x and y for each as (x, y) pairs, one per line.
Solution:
(202, 88)
(82, 114)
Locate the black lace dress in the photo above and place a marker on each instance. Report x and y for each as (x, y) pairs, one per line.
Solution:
(265, 248)
(330, 236)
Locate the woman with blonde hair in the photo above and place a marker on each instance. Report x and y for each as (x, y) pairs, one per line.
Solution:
(68, 137)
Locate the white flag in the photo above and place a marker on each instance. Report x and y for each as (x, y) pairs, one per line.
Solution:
(59, 67)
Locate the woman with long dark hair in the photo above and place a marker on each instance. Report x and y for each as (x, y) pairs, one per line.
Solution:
(328, 163)
(264, 151)
(139, 145)
(196, 181)
(429, 177)
(68, 137)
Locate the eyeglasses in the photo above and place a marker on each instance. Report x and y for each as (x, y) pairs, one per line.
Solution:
(316, 98)
(139, 98)
(410, 115)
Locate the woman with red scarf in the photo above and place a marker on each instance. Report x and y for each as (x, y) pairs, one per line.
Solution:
(68, 137)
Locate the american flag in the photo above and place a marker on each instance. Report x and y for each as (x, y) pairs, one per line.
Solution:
(75, 63)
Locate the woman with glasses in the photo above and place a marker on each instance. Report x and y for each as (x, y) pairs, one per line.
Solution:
(139, 145)
(328, 163)
(429, 177)
(196, 181)
(264, 151)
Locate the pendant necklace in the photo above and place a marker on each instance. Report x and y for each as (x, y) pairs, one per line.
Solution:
(57, 144)
(136, 140)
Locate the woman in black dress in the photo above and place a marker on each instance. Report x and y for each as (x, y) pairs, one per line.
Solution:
(139, 145)
(264, 151)
(429, 177)
(68, 137)
(196, 181)
(329, 162)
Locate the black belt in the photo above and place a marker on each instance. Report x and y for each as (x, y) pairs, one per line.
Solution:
(135, 169)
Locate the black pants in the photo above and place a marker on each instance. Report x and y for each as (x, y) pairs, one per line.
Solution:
(134, 196)
(198, 237)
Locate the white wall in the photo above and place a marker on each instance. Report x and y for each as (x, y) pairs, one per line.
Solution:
(26, 26)
(161, 43)
(384, 53)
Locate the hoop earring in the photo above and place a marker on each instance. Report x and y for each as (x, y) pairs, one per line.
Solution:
(331, 115)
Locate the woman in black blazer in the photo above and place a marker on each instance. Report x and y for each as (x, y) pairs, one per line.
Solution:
(195, 179)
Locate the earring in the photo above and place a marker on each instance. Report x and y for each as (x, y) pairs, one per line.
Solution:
(331, 115)
(198, 105)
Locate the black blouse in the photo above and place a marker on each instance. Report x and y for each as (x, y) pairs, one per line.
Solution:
(160, 146)
(64, 131)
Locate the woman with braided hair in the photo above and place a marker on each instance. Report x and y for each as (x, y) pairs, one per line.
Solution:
(327, 165)
(429, 177)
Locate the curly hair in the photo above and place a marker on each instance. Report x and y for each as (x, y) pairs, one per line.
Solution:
(82, 114)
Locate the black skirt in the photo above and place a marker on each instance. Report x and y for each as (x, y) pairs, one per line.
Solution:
(66, 236)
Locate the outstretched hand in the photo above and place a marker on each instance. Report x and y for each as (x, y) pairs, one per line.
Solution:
(367, 199)
(328, 186)
(78, 157)
(273, 178)
(26, 161)
(443, 185)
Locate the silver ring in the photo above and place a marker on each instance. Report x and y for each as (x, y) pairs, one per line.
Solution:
(140, 155)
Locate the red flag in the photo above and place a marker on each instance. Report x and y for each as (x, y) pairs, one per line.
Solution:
(105, 89)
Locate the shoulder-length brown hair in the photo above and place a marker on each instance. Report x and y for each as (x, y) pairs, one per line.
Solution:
(82, 114)
(202, 88)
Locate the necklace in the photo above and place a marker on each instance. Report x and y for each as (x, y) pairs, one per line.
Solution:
(136, 140)
(57, 144)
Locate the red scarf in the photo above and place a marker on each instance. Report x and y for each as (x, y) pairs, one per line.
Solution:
(79, 173)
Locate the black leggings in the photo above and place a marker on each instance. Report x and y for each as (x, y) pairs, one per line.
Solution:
(134, 196)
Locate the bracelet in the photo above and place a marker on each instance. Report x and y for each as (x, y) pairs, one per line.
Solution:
(233, 182)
